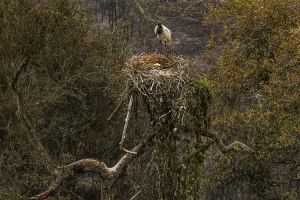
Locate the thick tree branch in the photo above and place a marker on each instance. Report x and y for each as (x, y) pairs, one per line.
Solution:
(88, 165)
(109, 175)
(84, 165)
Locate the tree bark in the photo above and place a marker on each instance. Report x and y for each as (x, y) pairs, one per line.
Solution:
(106, 190)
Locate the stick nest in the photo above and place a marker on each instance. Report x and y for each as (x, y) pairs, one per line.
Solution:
(162, 79)
(157, 73)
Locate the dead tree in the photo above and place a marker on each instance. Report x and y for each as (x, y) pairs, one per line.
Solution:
(164, 85)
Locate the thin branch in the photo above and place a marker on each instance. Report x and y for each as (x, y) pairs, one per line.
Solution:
(141, 11)
(22, 67)
(128, 151)
(124, 95)
(237, 146)
(126, 122)
(201, 149)
(234, 146)
(295, 179)
(116, 109)
(186, 161)
(136, 195)
(26, 121)
(54, 185)
(5, 128)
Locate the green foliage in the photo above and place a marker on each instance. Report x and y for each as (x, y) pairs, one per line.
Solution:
(72, 78)
(257, 95)
(180, 168)
(201, 99)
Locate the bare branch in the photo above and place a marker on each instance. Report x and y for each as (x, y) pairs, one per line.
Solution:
(124, 95)
(54, 185)
(26, 121)
(201, 149)
(136, 195)
(237, 146)
(67, 171)
(234, 146)
(128, 151)
(186, 161)
(126, 122)
(295, 179)
(22, 67)
(141, 11)
(88, 165)
(116, 109)
(122, 164)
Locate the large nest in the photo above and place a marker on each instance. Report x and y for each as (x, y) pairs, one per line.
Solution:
(162, 80)
(157, 73)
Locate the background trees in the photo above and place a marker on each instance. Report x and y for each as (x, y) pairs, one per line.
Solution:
(76, 52)
(71, 77)
(257, 96)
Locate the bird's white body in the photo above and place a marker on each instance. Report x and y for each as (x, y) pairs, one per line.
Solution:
(165, 36)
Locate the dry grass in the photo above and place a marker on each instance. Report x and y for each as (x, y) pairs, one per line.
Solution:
(153, 61)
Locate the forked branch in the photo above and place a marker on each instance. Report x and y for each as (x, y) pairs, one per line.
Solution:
(67, 171)
(110, 174)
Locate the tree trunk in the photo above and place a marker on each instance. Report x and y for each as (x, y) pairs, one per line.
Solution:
(106, 193)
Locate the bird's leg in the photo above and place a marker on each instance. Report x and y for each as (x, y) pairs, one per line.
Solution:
(160, 47)
(166, 46)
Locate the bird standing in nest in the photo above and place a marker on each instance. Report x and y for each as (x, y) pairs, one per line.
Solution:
(163, 34)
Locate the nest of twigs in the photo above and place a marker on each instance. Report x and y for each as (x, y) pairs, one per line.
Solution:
(156, 73)
(162, 79)
(153, 61)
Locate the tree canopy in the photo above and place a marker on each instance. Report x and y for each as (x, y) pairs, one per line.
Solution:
(257, 95)
(91, 109)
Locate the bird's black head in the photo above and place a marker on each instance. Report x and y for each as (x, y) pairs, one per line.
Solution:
(159, 28)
